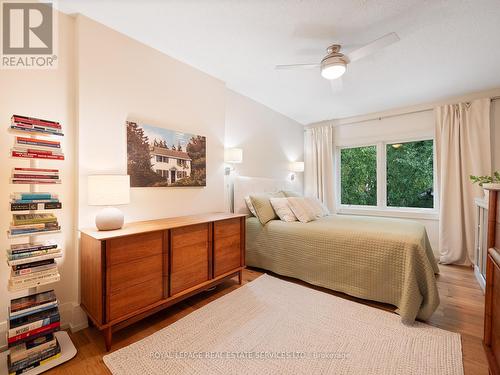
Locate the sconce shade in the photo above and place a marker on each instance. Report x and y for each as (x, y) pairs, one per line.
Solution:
(297, 166)
(108, 190)
(233, 155)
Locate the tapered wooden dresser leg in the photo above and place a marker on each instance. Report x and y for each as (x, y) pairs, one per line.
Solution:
(240, 277)
(108, 336)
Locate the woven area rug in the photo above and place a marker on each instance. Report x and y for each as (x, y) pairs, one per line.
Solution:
(271, 326)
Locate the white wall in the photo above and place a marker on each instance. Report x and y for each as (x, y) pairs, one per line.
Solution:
(121, 79)
(270, 141)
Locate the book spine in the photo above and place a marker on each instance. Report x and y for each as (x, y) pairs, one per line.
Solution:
(35, 141)
(24, 353)
(33, 196)
(17, 232)
(34, 129)
(34, 120)
(31, 362)
(30, 248)
(46, 328)
(35, 176)
(35, 206)
(35, 365)
(17, 280)
(54, 200)
(34, 259)
(16, 288)
(36, 155)
(32, 310)
(13, 332)
(31, 270)
(30, 264)
(37, 170)
(32, 254)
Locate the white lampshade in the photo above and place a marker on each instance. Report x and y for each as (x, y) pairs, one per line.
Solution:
(233, 155)
(297, 166)
(108, 190)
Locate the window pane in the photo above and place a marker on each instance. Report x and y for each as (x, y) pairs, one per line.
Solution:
(410, 177)
(358, 175)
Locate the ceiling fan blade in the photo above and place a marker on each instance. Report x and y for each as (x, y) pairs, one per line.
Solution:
(337, 85)
(297, 66)
(373, 47)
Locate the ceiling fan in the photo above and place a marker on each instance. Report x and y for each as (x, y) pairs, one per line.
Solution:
(334, 64)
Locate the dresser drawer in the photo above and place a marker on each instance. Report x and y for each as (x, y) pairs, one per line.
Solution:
(227, 246)
(130, 248)
(125, 275)
(126, 301)
(189, 257)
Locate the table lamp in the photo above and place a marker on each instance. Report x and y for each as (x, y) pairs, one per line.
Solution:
(108, 190)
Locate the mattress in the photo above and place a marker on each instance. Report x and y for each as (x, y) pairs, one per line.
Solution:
(380, 259)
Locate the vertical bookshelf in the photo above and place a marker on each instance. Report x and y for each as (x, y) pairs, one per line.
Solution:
(34, 142)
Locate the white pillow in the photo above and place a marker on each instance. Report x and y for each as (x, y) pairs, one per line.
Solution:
(282, 209)
(250, 205)
(318, 208)
(302, 209)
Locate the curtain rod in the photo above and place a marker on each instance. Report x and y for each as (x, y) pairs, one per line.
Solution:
(494, 98)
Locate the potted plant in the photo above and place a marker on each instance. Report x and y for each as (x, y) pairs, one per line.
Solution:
(487, 182)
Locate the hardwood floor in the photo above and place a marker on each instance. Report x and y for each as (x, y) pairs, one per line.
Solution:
(461, 310)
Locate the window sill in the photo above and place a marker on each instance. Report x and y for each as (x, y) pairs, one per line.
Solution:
(417, 213)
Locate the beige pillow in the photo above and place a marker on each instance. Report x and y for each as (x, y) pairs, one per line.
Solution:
(263, 209)
(318, 208)
(282, 209)
(302, 209)
(250, 205)
(289, 193)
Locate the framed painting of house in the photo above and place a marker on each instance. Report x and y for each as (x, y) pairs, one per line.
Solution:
(159, 157)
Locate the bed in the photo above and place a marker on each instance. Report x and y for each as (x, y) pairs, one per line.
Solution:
(380, 259)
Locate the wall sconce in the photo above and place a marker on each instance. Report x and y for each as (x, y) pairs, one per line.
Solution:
(232, 156)
(296, 167)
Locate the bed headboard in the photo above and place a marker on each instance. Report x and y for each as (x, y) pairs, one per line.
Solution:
(243, 186)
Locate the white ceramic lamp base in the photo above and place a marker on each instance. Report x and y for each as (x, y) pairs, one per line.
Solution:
(109, 218)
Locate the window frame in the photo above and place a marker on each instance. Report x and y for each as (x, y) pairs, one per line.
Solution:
(381, 209)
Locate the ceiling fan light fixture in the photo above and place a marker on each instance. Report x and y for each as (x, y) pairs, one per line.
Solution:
(333, 67)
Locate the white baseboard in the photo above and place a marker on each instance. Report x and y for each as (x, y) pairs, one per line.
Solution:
(480, 279)
(72, 317)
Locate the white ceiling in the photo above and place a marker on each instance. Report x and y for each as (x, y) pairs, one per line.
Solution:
(447, 47)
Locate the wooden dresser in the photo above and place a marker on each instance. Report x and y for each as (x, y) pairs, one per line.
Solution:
(130, 273)
(491, 339)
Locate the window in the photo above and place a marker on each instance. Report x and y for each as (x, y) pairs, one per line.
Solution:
(359, 176)
(387, 176)
(410, 174)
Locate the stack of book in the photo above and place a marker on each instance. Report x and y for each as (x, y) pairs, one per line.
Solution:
(36, 125)
(33, 148)
(34, 201)
(33, 264)
(31, 224)
(32, 323)
(35, 176)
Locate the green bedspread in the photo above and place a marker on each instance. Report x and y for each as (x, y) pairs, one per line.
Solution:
(380, 259)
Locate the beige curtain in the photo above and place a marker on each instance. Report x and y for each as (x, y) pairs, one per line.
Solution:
(318, 160)
(462, 149)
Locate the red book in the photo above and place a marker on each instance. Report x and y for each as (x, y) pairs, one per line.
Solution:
(47, 328)
(43, 141)
(35, 121)
(36, 155)
(45, 152)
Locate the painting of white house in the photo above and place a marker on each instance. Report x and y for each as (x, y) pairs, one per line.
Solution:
(159, 157)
